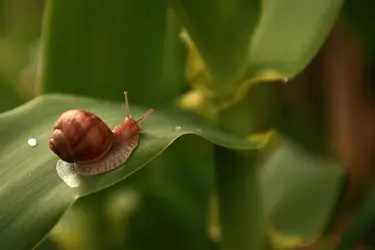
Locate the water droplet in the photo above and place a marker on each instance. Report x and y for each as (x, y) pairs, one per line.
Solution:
(32, 142)
(285, 80)
(178, 128)
(198, 130)
(67, 172)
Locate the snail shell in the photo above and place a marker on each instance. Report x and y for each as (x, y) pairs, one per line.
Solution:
(82, 138)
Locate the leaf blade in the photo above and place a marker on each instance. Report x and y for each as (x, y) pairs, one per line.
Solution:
(287, 38)
(290, 191)
(30, 185)
(94, 49)
(221, 31)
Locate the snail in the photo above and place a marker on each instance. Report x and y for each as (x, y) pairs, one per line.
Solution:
(82, 138)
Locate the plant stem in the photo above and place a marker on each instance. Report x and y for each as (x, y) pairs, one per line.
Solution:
(237, 190)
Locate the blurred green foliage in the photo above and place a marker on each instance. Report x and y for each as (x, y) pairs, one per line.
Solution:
(207, 57)
(116, 53)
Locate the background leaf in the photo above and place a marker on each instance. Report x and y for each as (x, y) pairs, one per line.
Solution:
(299, 192)
(96, 49)
(32, 189)
(221, 31)
(289, 34)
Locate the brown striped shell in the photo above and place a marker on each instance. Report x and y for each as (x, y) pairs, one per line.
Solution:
(80, 136)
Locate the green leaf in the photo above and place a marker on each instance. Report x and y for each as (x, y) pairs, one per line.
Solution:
(221, 31)
(362, 223)
(289, 35)
(97, 49)
(32, 194)
(299, 193)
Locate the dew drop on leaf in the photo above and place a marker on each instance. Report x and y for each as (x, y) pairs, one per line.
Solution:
(32, 142)
(177, 128)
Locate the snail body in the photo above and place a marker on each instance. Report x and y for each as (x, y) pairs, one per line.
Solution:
(82, 138)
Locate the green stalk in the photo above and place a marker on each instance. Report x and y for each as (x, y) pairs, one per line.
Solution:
(239, 206)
